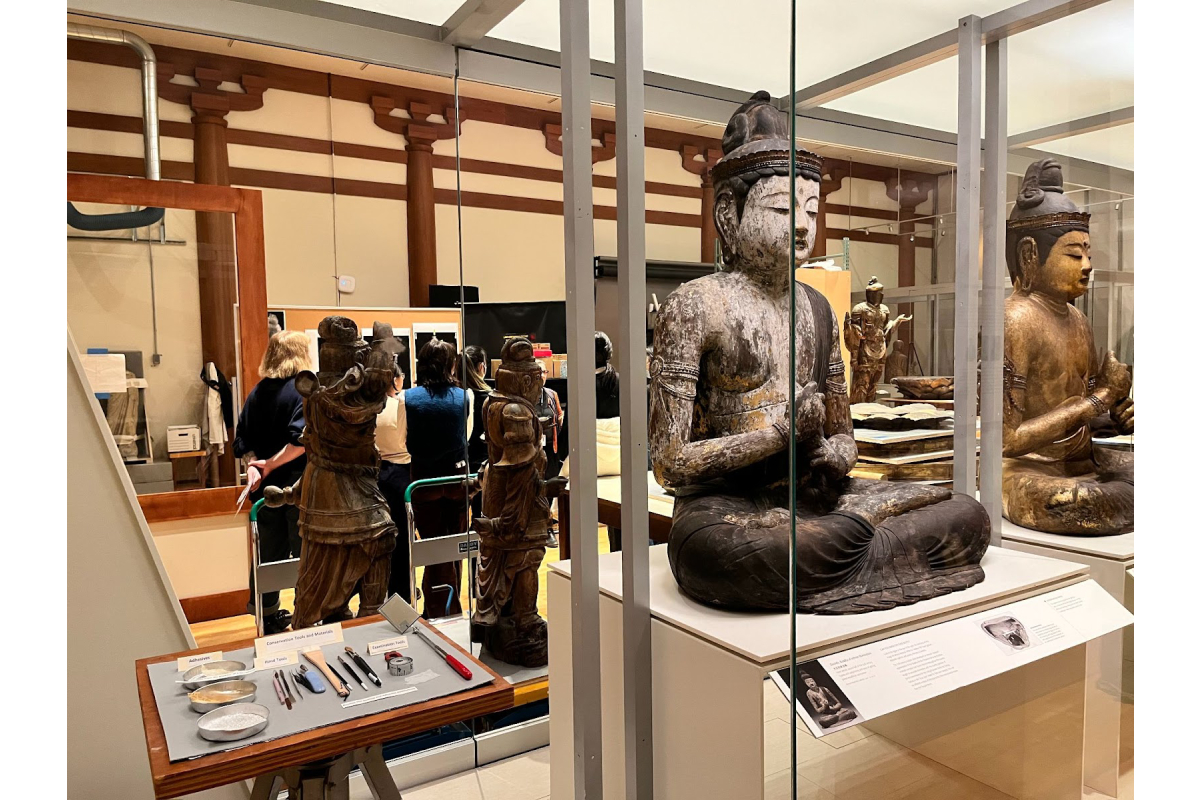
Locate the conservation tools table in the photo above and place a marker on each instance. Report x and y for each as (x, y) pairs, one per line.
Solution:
(312, 747)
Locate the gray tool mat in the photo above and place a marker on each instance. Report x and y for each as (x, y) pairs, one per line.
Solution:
(311, 710)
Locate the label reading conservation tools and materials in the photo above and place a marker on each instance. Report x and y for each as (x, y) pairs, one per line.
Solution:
(276, 660)
(383, 645)
(305, 639)
(187, 662)
(373, 698)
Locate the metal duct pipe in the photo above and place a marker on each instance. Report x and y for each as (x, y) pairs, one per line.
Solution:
(149, 85)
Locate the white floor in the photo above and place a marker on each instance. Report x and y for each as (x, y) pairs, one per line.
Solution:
(856, 763)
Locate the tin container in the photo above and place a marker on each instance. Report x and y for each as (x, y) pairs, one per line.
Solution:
(215, 726)
(212, 672)
(216, 695)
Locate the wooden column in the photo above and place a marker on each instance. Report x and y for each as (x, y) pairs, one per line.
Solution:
(215, 252)
(701, 163)
(420, 131)
(422, 229)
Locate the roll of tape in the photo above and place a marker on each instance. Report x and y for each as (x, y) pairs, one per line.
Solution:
(399, 665)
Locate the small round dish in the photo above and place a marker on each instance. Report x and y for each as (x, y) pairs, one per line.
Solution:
(216, 695)
(231, 723)
(212, 672)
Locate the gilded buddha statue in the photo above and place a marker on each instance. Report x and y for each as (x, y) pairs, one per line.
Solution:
(1057, 385)
(720, 434)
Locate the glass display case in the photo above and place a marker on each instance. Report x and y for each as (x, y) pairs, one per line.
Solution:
(801, 582)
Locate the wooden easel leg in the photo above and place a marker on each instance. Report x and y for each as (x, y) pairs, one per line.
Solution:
(375, 772)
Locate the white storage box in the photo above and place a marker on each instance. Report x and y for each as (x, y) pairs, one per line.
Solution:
(183, 438)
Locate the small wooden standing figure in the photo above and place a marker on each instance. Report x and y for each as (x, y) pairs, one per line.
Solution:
(869, 332)
(514, 527)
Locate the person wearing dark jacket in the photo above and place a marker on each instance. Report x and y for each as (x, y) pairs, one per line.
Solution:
(437, 410)
(268, 431)
(608, 381)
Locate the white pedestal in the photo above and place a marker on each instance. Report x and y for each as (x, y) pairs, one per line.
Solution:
(1110, 561)
(1022, 729)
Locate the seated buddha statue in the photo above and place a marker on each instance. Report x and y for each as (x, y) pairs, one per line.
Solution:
(721, 435)
(1057, 385)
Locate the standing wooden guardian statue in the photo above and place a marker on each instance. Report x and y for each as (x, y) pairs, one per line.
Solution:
(514, 527)
(347, 533)
(869, 332)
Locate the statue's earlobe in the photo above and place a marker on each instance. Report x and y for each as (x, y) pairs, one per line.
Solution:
(1027, 259)
(726, 217)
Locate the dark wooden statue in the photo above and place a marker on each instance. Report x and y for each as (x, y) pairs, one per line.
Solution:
(869, 332)
(1057, 385)
(719, 422)
(515, 524)
(347, 533)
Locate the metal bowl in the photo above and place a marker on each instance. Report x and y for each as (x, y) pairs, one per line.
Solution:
(225, 693)
(212, 672)
(212, 727)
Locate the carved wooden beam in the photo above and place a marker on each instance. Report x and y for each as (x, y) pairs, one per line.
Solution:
(207, 97)
(604, 142)
(418, 121)
(909, 191)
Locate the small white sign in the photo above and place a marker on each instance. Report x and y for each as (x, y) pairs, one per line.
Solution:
(305, 639)
(187, 662)
(384, 645)
(276, 660)
(105, 372)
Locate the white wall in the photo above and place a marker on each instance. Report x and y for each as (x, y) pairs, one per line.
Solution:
(112, 622)
(109, 305)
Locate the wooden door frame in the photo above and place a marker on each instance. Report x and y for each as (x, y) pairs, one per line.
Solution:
(247, 208)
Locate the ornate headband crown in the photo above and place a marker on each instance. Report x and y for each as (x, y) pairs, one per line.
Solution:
(1042, 204)
(756, 145)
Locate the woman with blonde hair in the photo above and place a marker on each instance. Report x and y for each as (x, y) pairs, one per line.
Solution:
(268, 432)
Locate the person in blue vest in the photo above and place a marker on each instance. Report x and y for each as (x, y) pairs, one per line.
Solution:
(438, 412)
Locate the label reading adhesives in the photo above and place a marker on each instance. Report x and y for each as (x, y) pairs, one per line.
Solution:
(187, 662)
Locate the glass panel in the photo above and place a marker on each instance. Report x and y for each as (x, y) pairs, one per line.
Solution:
(134, 294)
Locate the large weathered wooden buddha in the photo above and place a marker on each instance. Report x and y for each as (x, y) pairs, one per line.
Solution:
(719, 421)
(1056, 383)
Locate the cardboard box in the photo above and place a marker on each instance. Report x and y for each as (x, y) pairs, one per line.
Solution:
(183, 438)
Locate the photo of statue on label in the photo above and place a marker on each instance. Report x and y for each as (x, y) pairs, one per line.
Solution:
(1057, 384)
(720, 437)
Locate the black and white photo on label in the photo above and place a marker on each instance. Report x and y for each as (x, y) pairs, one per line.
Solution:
(1009, 633)
(819, 697)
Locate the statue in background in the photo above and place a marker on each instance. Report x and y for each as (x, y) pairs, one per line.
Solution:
(870, 331)
(1056, 383)
(515, 525)
(347, 531)
(720, 431)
